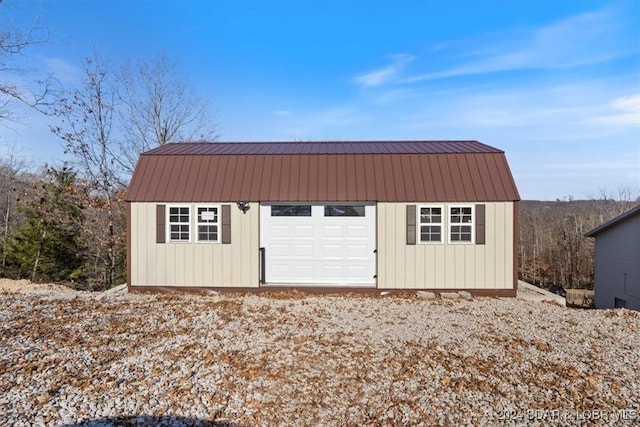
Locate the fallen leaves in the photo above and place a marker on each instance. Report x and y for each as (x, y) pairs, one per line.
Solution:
(282, 359)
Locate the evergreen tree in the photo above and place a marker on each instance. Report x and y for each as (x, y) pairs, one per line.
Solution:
(49, 244)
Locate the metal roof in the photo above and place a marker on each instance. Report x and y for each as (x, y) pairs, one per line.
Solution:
(333, 147)
(385, 171)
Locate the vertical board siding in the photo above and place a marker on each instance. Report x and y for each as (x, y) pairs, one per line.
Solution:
(445, 266)
(194, 264)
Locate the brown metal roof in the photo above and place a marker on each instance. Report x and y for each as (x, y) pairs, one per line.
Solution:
(418, 171)
(333, 147)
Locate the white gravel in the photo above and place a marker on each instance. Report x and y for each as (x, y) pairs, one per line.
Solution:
(333, 360)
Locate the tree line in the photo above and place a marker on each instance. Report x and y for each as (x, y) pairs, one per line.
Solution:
(66, 222)
(552, 248)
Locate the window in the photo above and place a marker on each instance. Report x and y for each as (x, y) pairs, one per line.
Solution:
(291, 210)
(208, 221)
(461, 224)
(430, 224)
(344, 210)
(179, 220)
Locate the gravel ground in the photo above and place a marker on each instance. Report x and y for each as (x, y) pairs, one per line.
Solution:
(75, 359)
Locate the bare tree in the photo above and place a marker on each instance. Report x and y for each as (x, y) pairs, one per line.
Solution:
(552, 247)
(609, 204)
(87, 124)
(13, 42)
(159, 107)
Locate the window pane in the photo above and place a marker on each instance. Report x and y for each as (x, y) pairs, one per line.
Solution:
(209, 214)
(431, 215)
(461, 215)
(179, 232)
(430, 233)
(344, 210)
(291, 210)
(208, 233)
(461, 233)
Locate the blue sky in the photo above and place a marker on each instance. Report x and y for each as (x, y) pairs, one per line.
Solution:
(556, 84)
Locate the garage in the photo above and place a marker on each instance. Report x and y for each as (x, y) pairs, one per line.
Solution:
(352, 216)
(318, 244)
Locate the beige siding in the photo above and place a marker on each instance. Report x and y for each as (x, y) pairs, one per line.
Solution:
(194, 264)
(445, 265)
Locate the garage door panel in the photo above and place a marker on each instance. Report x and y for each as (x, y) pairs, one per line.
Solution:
(303, 272)
(302, 231)
(357, 252)
(333, 231)
(357, 232)
(280, 270)
(280, 251)
(302, 252)
(333, 272)
(356, 270)
(319, 249)
(281, 231)
(333, 252)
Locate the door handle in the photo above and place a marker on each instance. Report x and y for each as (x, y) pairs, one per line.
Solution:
(262, 278)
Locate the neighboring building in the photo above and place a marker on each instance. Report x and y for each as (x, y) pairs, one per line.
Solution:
(617, 264)
(370, 216)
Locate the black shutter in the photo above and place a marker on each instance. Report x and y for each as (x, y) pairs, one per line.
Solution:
(226, 224)
(480, 225)
(161, 224)
(411, 224)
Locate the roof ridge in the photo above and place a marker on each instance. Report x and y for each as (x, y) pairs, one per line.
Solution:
(324, 147)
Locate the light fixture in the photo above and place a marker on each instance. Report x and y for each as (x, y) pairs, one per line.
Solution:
(243, 206)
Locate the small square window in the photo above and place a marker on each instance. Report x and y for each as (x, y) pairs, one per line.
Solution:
(461, 224)
(179, 222)
(208, 222)
(430, 227)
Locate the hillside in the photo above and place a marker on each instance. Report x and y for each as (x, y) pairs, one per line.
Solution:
(552, 247)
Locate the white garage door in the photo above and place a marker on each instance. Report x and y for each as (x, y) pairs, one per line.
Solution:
(318, 244)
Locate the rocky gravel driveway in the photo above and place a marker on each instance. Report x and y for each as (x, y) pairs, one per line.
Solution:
(77, 360)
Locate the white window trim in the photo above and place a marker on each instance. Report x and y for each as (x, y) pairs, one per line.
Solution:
(169, 223)
(443, 228)
(218, 223)
(472, 224)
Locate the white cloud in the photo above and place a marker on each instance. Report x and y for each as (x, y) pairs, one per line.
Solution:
(282, 113)
(385, 74)
(62, 70)
(584, 39)
(625, 110)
